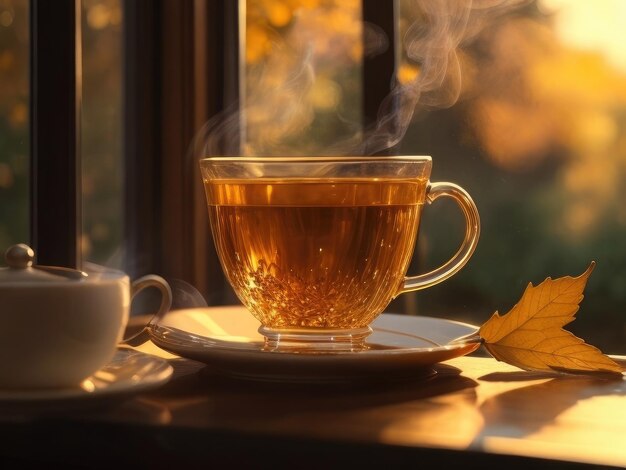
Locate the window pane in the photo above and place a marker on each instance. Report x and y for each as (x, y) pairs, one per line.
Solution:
(14, 144)
(302, 75)
(101, 139)
(538, 139)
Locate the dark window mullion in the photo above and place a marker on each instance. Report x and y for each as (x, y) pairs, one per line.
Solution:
(55, 34)
(142, 150)
(378, 71)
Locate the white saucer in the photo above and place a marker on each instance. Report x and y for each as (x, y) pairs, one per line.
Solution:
(227, 339)
(129, 372)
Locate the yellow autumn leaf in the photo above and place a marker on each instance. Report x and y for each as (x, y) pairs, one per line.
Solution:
(531, 335)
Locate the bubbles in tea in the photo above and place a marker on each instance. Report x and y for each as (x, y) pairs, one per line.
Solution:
(315, 253)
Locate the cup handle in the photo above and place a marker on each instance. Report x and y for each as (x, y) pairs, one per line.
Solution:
(151, 280)
(472, 232)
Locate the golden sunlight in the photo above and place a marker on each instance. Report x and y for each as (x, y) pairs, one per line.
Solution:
(596, 26)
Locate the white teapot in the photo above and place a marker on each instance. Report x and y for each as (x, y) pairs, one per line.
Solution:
(58, 326)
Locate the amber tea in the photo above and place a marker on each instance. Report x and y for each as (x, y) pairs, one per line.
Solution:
(315, 253)
(316, 247)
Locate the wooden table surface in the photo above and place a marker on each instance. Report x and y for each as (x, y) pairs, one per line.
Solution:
(475, 411)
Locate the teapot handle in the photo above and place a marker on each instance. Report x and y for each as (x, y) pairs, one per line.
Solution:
(151, 280)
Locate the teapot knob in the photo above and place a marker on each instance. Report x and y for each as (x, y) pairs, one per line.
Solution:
(19, 256)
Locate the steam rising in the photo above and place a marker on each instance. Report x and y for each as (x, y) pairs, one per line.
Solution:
(269, 122)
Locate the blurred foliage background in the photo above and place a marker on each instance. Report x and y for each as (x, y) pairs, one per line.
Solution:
(102, 133)
(539, 139)
(14, 144)
(303, 75)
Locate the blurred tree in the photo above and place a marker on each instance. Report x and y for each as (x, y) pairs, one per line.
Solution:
(538, 140)
(14, 146)
(101, 137)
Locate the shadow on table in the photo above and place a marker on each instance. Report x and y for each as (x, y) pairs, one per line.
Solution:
(206, 399)
(522, 411)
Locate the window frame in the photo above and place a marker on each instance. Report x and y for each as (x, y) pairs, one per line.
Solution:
(55, 97)
(181, 66)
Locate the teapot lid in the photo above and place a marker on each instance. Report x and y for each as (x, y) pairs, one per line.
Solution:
(19, 259)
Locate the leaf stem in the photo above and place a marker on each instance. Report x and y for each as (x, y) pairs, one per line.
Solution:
(468, 339)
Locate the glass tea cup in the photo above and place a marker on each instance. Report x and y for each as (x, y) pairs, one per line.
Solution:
(317, 247)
